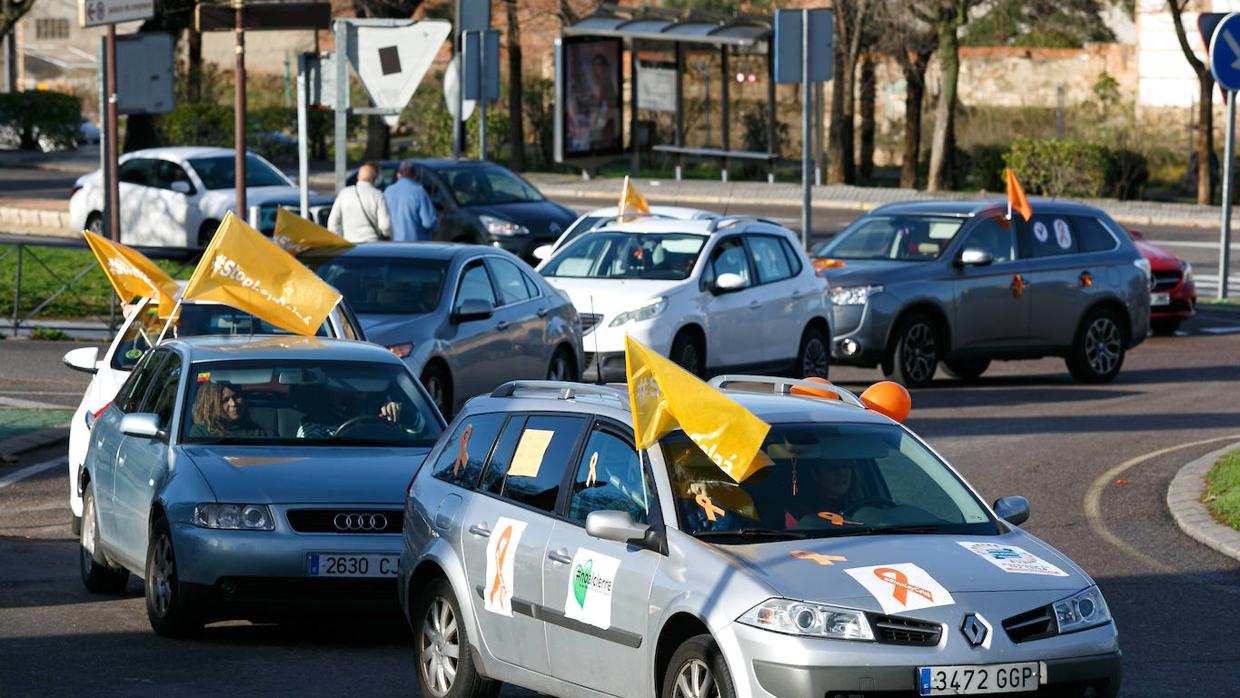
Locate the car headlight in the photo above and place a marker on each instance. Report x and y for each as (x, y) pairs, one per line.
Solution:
(502, 228)
(808, 619)
(650, 310)
(401, 350)
(1086, 609)
(247, 517)
(853, 295)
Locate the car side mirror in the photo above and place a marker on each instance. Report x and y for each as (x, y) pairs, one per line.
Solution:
(729, 283)
(617, 526)
(143, 425)
(181, 187)
(85, 360)
(975, 257)
(1014, 510)
(542, 252)
(472, 309)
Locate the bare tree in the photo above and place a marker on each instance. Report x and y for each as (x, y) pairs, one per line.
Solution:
(866, 98)
(516, 119)
(850, 15)
(11, 12)
(912, 42)
(1203, 140)
(946, 17)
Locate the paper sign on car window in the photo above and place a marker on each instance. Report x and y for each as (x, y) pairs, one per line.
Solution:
(528, 459)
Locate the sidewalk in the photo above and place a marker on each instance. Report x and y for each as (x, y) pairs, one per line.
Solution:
(1193, 517)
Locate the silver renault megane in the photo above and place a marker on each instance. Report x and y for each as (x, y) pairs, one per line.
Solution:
(241, 477)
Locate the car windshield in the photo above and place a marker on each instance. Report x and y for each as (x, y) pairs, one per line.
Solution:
(905, 238)
(307, 403)
(219, 172)
(385, 285)
(486, 185)
(825, 480)
(619, 255)
(193, 320)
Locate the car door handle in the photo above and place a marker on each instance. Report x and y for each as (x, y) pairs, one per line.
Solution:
(480, 530)
(796, 295)
(502, 325)
(754, 305)
(560, 556)
(543, 312)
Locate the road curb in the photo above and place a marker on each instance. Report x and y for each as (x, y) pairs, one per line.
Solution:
(32, 440)
(1184, 501)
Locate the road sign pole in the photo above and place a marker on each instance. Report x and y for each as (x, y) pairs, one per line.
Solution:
(342, 100)
(239, 108)
(111, 175)
(303, 136)
(1224, 252)
(807, 150)
(482, 102)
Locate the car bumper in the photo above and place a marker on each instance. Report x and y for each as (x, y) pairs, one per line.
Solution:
(859, 332)
(607, 342)
(1183, 304)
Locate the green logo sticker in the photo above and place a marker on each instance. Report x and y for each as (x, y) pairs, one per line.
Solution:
(133, 354)
(581, 580)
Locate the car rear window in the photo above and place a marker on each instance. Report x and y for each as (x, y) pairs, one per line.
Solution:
(1048, 236)
(386, 286)
(466, 451)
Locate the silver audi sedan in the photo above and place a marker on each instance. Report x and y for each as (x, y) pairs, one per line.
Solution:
(242, 478)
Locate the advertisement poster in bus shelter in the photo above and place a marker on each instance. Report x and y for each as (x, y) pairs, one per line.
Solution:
(593, 110)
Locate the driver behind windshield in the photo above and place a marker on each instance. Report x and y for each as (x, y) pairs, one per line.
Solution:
(341, 410)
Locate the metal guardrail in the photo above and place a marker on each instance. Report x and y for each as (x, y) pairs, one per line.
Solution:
(25, 246)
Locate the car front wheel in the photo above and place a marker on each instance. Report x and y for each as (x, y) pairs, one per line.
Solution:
(562, 367)
(1098, 352)
(439, 385)
(170, 613)
(697, 670)
(445, 665)
(689, 354)
(914, 355)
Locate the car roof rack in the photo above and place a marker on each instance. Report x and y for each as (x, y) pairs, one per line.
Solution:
(729, 221)
(784, 386)
(560, 390)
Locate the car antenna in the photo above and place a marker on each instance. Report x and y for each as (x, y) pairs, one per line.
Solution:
(598, 358)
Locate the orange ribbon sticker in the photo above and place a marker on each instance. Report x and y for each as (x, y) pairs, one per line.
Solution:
(825, 560)
(593, 476)
(501, 547)
(709, 507)
(899, 580)
(462, 456)
(1018, 285)
(836, 519)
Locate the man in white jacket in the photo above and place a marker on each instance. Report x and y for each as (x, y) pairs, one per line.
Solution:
(360, 213)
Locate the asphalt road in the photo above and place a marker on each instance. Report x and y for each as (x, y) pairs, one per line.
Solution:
(1095, 462)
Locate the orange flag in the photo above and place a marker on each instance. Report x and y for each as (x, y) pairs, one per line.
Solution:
(1016, 197)
(631, 200)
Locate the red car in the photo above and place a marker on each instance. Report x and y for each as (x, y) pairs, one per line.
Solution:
(1173, 298)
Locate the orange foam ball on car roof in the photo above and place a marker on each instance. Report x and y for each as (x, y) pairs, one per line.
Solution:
(891, 399)
(812, 392)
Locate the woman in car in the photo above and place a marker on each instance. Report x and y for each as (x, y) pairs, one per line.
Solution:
(219, 410)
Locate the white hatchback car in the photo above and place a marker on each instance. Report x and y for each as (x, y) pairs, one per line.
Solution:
(140, 330)
(728, 294)
(176, 197)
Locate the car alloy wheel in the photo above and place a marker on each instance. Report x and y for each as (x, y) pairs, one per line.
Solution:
(165, 576)
(815, 359)
(1102, 345)
(439, 649)
(919, 355)
(695, 680)
(88, 532)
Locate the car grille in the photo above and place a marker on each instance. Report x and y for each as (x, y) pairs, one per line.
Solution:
(304, 589)
(588, 321)
(891, 630)
(1166, 280)
(324, 520)
(1032, 625)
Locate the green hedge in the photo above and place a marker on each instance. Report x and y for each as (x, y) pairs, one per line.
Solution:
(53, 117)
(1052, 167)
(201, 123)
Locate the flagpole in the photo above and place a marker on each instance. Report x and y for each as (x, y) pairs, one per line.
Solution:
(171, 317)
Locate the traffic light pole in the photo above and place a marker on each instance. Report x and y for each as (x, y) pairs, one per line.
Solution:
(109, 137)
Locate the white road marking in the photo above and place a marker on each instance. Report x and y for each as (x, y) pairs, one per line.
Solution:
(28, 404)
(1193, 244)
(1220, 330)
(30, 470)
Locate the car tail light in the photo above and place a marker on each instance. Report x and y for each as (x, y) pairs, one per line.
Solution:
(101, 409)
(74, 189)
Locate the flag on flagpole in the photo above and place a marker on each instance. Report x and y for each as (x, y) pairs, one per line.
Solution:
(243, 269)
(1016, 197)
(631, 200)
(664, 396)
(132, 274)
(295, 234)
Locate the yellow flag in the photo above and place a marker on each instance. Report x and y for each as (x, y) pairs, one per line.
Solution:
(132, 274)
(631, 200)
(664, 396)
(243, 269)
(295, 234)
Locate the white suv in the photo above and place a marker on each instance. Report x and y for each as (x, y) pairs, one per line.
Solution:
(729, 294)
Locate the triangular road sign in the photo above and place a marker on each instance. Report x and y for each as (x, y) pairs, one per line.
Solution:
(391, 61)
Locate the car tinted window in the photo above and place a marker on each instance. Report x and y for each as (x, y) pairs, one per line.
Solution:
(130, 397)
(531, 286)
(533, 462)
(769, 259)
(912, 238)
(509, 279)
(138, 171)
(219, 172)
(610, 477)
(489, 185)
(475, 286)
(466, 451)
(199, 319)
(1047, 236)
(386, 285)
(994, 235)
(501, 456)
(1092, 236)
(164, 390)
(167, 172)
(794, 258)
(729, 258)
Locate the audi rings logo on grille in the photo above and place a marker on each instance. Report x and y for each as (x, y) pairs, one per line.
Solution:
(360, 522)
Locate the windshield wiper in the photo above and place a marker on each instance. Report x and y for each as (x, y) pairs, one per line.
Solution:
(891, 530)
(229, 441)
(752, 533)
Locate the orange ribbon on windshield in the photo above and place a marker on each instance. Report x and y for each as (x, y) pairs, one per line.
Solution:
(462, 458)
(818, 557)
(899, 580)
(836, 519)
(501, 547)
(709, 507)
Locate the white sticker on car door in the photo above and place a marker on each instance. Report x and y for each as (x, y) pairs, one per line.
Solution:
(590, 583)
(501, 576)
(901, 587)
(1010, 558)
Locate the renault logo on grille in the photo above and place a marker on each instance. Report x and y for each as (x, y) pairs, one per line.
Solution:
(360, 522)
(974, 629)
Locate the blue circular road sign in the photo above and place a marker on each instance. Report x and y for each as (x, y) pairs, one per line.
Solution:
(1225, 52)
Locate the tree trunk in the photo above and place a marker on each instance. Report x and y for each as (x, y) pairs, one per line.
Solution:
(865, 166)
(915, 93)
(516, 115)
(140, 132)
(943, 143)
(193, 65)
(1203, 140)
(378, 139)
(840, 143)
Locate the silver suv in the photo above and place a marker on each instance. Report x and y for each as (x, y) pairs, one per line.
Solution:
(542, 550)
(916, 284)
